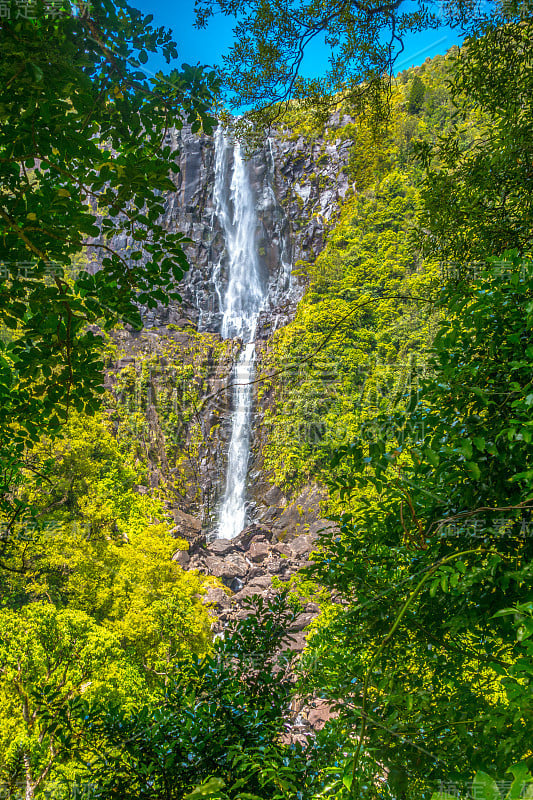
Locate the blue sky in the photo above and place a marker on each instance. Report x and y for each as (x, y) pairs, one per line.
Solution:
(207, 46)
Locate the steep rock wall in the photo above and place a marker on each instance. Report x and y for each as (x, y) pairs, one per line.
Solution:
(298, 187)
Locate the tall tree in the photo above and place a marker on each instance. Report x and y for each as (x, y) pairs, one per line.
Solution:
(47, 658)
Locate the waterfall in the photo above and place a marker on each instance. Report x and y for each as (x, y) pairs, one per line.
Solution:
(242, 294)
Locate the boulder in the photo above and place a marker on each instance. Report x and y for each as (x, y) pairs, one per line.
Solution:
(221, 547)
(301, 622)
(182, 558)
(282, 549)
(301, 546)
(258, 551)
(232, 566)
(260, 584)
(216, 597)
(242, 541)
(320, 712)
(197, 562)
(275, 565)
(185, 525)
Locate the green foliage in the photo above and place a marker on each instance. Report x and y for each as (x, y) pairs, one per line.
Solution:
(84, 159)
(216, 730)
(95, 555)
(48, 657)
(435, 540)
(478, 195)
(416, 95)
(439, 540)
(99, 546)
(361, 330)
(262, 71)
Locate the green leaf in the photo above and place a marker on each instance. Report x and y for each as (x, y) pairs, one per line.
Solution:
(207, 789)
(522, 776)
(484, 787)
(473, 470)
(443, 796)
(466, 448)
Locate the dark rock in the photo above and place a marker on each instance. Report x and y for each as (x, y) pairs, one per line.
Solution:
(296, 643)
(273, 497)
(198, 546)
(245, 593)
(319, 713)
(233, 566)
(221, 547)
(301, 546)
(258, 551)
(256, 571)
(197, 562)
(275, 565)
(301, 622)
(185, 525)
(260, 584)
(182, 558)
(251, 532)
(282, 549)
(236, 585)
(217, 597)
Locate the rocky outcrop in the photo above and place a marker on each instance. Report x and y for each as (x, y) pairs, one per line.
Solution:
(257, 563)
(261, 560)
(170, 399)
(297, 185)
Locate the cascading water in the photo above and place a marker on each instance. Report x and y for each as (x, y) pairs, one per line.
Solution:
(241, 301)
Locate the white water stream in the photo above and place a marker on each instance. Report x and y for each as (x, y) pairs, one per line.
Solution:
(242, 296)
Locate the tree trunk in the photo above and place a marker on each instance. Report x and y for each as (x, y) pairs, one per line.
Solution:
(30, 785)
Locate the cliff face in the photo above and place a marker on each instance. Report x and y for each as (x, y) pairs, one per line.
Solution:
(179, 366)
(297, 190)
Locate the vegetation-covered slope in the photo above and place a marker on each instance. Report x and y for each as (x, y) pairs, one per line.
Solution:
(363, 327)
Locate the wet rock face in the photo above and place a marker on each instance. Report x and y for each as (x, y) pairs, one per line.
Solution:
(297, 188)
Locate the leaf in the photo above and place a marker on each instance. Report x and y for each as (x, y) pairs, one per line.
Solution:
(522, 776)
(432, 457)
(484, 787)
(442, 796)
(473, 470)
(466, 448)
(504, 612)
(207, 789)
